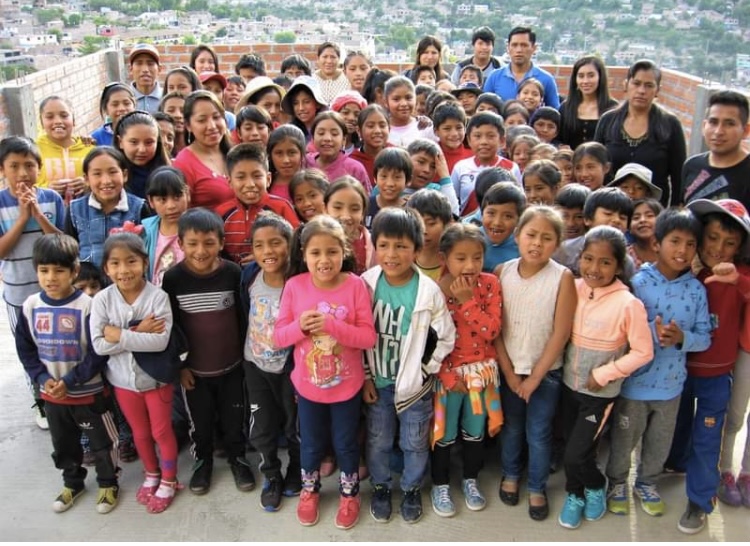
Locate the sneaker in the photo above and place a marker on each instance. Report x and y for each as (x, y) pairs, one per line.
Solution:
(126, 451)
(651, 501)
(728, 491)
(693, 520)
(40, 415)
(596, 505)
(380, 504)
(107, 499)
(474, 499)
(66, 498)
(270, 496)
(162, 499)
(307, 509)
(743, 485)
(411, 505)
(243, 475)
(617, 499)
(292, 483)
(348, 512)
(200, 482)
(442, 503)
(572, 512)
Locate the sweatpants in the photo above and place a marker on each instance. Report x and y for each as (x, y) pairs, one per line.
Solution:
(736, 412)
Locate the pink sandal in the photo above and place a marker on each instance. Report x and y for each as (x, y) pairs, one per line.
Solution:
(146, 491)
(157, 504)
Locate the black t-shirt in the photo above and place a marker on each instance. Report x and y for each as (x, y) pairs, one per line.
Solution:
(702, 181)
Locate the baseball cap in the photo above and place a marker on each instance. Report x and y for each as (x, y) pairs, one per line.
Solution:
(143, 49)
(731, 207)
(208, 76)
(643, 174)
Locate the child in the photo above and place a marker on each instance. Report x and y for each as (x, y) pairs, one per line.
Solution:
(546, 123)
(90, 218)
(421, 92)
(308, 189)
(635, 180)
(591, 164)
(53, 342)
(173, 104)
(543, 151)
(435, 211)
(564, 161)
(610, 340)
(569, 202)
(130, 318)
(449, 121)
(182, 80)
(205, 299)
(373, 130)
(646, 411)
(489, 102)
(90, 279)
(531, 94)
(233, 92)
(295, 66)
(117, 100)
(467, 94)
(346, 201)
(423, 75)
(486, 138)
(286, 153)
(168, 197)
(484, 181)
(393, 169)
(430, 170)
(266, 94)
(408, 310)
(539, 299)
(502, 206)
(541, 179)
(270, 394)
(303, 102)
(515, 113)
(356, 67)
(254, 126)
(644, 249)
(471, 73)
(400, 101)
(467, 395)
(166, 130)
(248, 177)
(349, 104)
(326, 313)
(520, 150)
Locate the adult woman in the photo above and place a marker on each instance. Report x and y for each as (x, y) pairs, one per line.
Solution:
(330, 77)
(429, 50)
(204, 59)
(640, 131)
(203, 162)
(588, 98)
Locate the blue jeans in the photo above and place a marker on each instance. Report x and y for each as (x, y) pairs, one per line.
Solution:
(414, 438)
(532, 423)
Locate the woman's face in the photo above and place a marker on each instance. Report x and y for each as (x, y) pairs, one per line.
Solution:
(328, 61)
(204, 62)
(207, 124)
(429, 57)
(642, 89)
(587, 79)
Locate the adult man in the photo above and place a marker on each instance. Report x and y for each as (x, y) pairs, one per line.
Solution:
(144, 69)
(504, 81)
(724, 171)
(483, 42)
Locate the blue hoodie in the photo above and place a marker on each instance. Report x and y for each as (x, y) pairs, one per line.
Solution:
(684, 300)
(496, 254)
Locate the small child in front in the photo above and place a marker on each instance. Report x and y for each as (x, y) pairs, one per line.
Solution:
(435, 210)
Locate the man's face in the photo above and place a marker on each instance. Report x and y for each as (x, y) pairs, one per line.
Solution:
(143, 71)
(521, 49)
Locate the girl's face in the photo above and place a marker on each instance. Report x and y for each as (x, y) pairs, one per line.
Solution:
(324, 257)
(375, 131)
(286, 158)
(429, 57)
(426, 78)
(347, 206)
(401, 103)
(308, 201)
(57, 120)
(545, 129)
(139, 142)
(253, 132)
(643, 222)
(105, 178)
(350, 113)
(537, 241)
(587, 79)
(232, 95)
(271, 103)
(179, 83)
(270, 250)
(537, 192)
(175, 107)
(566, 170)
(356, 72)
(204, 62)
(487, 107)
(207, 124)
(599, 265)
(328, 139)
(420, 105)
(634, 188)
(521, 154)
(328, 62)
(126, 269)
(530, 97)
(166, 130)
(515, 119)
(119, 104)
(465, 259)
(305, 107)
(169, 207)
(590, 172)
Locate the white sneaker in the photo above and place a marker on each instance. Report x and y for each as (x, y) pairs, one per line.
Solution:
(41, 417)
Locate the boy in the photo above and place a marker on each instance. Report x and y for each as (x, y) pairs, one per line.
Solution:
(294, 66)
(471, 74)
(486, 138)
(204, 293)
(635, 180)
(26, 213)
(467, 94)
(449, 123)
(646, 411)
(485, 180)
(247, 166)
(697, 439)
(216, 84)
(409, 310)
(430, 170)
(144, 70)
(90, 279)
(251, 66)
(53, 342)
(502, 206)
(424, 75)
(569, 201)
(435, 211)
(546, 124)
(392, 169)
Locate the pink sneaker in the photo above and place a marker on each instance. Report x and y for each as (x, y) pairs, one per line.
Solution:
(348, 513)
(307, 508)
(148, 488)
(743, 485)
(163, 497)
(728, 492)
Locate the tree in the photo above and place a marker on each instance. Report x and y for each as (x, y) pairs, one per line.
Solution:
(285, 37)
(196, 5)
(189, 39)
(44, 16)
(73, 20)
(222, 32)
(57, 33)
(92, 44)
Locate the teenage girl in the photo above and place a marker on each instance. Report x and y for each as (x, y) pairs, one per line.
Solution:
(357, 66)
(520, 150)
(611, 338)
(539, 300)
(642, 225)
(541, 180)
(349, 104)
(302, 103)
(591, 165)
(286, 154)
(308, 189)
(182, 80)
(137, 136)
(132, 315)
(346, 201)
(254, 126)
(173, 104)
(400, 99)
(326, 314)
(467, 397)
(117, 100)
(374, 129)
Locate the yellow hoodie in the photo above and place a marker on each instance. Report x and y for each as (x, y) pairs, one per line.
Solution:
(59, 162)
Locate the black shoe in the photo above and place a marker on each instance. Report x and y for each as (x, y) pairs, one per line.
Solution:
(243, 475)
(292, 482)
(200, 483)
(511, 499)
(539, 513)
(270, 497)
(380, 504)
(411, 505)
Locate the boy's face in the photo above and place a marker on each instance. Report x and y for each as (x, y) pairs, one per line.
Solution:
(545, 129)
(396, 256)
(56, 280)
(433, 230)
(451, 133)
(201, 250)
(723, 130)
(247, 73)
(168, 207)
(271, 250)
(249, 179)
(423, 170)
(719, 245)
(215, 88)
(468, 76)
(606, 217)
(485, 141)
(426, 77)
(634, 188)
(90, 287)
(575, 225)
(676, 252)
(499, 221)
(19, 169)
(232, 95)
(420, 107)
(468, 101)
(143, 70)
(391, 183)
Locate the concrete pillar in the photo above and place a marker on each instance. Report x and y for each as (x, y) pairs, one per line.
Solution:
(115, 66)
(19, 101)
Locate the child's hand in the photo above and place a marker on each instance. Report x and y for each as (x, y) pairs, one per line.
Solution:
(591, 383)
(423, 122)
(49, 386)
(246, 258)
(187, 380)
(462, 289)
(369, 392)
(151, 325)
(77, 186)
(111, 334)
(669, 334)
(441, 165)
(513, 381)
(725, 272)
(59, 391)
(314, 322)
(460, 387)
(527, 388)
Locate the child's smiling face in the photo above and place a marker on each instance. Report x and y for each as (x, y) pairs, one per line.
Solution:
(719, 245)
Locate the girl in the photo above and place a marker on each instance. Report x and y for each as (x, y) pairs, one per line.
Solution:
(373, 91)
(263, 92)
(308, 189)
(643, 249)
(203, 161)
(539, 300)
(531, 94)
(520, 150)
(541, 179)
(91, 217)
(489, 102)
(564, 161)
(286, 152)
(302, 103)
(326, 313)
(374, 128)
(400, 100)
(137, 136)
(515, 113)
(117, 100)
(173, 104)
(329, 132)
(204, 59)
(254, 126)
(130, 316)
(182, 80)
(467, 394)
(62, 153)
(346, 201)
(349, 104)
(357, 66)
(233, 93)
(591, 165)
(166, 130)
(329, 76)
(611, 338)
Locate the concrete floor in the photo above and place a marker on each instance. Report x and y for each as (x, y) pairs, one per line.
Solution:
(30, 483)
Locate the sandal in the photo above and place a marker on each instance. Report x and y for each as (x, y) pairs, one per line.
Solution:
(157, 504)
(509, 497)
(148, 488)
(540, 512)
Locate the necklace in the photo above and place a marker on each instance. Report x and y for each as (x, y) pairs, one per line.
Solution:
(633, 142)
(214, 162)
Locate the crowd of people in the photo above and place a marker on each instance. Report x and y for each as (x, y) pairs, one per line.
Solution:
(371, 269)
